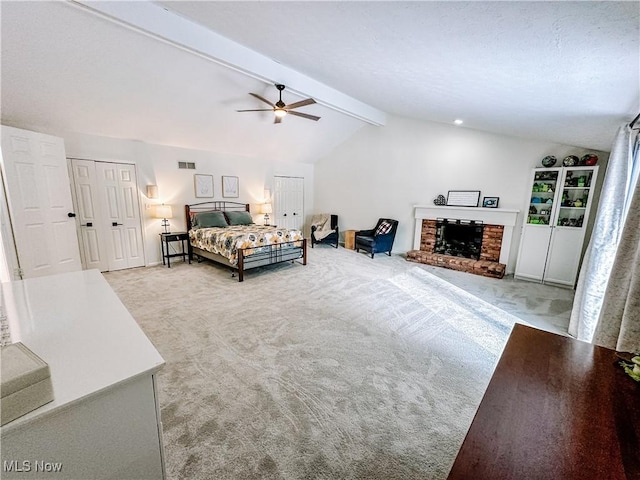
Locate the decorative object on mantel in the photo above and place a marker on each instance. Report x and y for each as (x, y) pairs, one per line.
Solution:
(549, 161)
(631, 364)
(570, 161)
(440, 200)
(490, 202)
(463, 198)
(589, 159)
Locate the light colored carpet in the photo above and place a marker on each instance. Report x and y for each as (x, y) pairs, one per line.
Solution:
(347, 368)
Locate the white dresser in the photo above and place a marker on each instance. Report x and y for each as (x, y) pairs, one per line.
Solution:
(104, 421)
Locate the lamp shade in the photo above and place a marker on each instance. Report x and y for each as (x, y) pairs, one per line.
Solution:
(266, 208)
(163, 211)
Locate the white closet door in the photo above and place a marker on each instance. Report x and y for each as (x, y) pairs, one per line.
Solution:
(121, 214)
(92, 227)
(288, 200)
(39, 196)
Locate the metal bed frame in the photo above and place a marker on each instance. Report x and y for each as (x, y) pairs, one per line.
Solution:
(268, 255)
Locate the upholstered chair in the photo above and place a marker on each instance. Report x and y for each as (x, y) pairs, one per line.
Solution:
(331, 238)
(379, 239)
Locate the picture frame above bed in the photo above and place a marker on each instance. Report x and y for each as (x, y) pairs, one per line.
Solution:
(203, 185)
(230, 186)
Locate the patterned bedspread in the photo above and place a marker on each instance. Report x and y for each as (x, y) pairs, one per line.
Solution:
(227, 240)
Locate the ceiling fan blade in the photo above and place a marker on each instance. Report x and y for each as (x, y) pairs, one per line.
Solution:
(259, 110)
(304, 115)
(263, 99)
(301, 103)
(277, 120)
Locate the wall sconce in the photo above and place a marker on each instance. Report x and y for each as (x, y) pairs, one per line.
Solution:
(152, 191)
(164, 212)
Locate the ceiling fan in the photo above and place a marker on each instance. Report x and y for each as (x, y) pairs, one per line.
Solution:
(280, 109)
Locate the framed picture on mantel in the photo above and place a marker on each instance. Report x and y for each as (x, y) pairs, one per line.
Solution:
(463, 198)
(490, 202)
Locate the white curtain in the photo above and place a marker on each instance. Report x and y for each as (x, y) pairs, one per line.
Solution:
(615, 201)
(619, 323)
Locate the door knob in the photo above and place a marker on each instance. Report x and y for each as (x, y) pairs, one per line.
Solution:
(71, 214)
(284, 214)
(115, 224)
(294, 213)
(88, 224)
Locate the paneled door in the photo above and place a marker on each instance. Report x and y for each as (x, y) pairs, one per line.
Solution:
(288, 202)
(91, 225)
(109, 214)
(38, 192)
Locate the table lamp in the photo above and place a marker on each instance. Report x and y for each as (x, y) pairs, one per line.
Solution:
(164, 212)
(266, 209)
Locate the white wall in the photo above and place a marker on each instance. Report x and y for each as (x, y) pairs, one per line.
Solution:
(385, 171)
(158, 165)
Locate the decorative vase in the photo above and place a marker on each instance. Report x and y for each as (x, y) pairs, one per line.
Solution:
(589, 159)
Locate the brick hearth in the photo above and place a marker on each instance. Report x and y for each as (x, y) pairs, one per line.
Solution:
(488, 265)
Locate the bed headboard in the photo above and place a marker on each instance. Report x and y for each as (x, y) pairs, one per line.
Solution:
(216, 206)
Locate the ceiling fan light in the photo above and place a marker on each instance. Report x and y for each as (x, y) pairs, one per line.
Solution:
(279, 112)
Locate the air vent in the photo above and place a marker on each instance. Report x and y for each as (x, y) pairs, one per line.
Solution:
(187, 165)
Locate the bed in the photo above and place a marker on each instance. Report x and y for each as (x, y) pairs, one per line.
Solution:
(241, 245)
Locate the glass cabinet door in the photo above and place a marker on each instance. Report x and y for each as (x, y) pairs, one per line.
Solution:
(543, 192)
(576, 191)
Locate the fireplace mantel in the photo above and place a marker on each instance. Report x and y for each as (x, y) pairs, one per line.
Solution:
(493, 216)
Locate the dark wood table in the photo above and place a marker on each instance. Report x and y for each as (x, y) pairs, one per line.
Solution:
(556, 408)
(165, 241)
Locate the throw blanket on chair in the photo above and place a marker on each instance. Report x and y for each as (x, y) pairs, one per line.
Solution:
(322, 223)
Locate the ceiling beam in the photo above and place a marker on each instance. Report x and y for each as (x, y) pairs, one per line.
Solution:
(160, 23)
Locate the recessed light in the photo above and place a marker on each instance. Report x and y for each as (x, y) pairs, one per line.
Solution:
(458, 121)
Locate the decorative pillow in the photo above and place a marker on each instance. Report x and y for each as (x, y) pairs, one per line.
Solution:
(383, 228)
(239, 218)
(194, 220)
(210, 219)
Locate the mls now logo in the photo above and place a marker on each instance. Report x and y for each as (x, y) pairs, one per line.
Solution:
(29, 466)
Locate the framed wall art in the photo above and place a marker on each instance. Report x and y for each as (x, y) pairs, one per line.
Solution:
(463, 198)
(490, 202)
(203, 185)
(230, 187)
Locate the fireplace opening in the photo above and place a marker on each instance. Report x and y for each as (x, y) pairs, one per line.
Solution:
(459, 238)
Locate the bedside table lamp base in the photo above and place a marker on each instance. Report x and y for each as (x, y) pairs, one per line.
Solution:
(165, 213)
(266, 209)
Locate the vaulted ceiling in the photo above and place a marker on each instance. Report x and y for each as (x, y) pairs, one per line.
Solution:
(175, 73)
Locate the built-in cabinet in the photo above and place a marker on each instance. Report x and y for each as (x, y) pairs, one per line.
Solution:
(559, 201)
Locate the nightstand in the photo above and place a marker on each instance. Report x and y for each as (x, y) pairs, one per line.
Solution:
(166, 239)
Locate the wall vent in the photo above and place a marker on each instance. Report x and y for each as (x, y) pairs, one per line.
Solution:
(187, 165)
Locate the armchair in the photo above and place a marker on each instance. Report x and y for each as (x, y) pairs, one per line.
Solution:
(320, 225)
(378, 239)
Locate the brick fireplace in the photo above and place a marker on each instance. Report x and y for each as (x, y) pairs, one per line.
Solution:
(496, 238)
